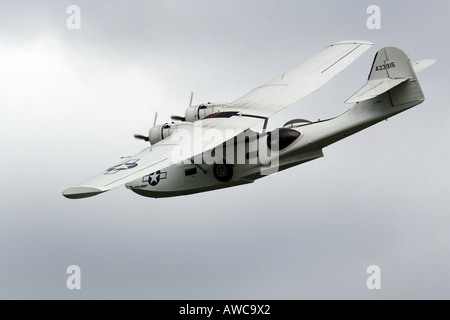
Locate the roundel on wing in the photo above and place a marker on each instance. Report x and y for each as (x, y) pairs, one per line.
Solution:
(130, 164)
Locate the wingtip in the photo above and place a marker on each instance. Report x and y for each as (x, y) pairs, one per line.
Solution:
(81, 192)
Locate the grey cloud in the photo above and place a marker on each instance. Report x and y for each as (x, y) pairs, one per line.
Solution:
(73, 99)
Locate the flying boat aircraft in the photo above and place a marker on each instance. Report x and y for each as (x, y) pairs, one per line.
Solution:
(216, 145)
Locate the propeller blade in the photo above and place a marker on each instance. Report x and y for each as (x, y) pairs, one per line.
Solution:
(156, 117)
(178, 118)
(139, 136)
(192, 96)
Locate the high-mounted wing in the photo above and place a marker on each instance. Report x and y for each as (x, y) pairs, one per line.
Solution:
(293, 85)
(262, 102)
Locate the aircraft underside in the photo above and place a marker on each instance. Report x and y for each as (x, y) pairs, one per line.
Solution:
(213, 146)
(188, 178)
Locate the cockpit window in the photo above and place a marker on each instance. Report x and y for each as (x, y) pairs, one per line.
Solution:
(280, 139)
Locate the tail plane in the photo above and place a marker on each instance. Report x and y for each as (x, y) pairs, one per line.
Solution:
(393, 72)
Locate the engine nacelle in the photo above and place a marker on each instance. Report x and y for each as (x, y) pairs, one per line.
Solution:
(198, 112)
(162, 131)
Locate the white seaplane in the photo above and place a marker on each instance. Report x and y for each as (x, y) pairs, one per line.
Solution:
(216, 146)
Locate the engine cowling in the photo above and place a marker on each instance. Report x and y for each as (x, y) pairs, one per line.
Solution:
(198, 112)
(162, 131)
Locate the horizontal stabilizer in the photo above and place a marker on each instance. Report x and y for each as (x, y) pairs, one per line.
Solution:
(423, 64)
(374, 88)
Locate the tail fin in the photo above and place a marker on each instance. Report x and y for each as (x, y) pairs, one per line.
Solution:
(391, 63)
(391, 71)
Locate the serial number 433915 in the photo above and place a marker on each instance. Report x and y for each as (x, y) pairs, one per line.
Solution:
(385, 66)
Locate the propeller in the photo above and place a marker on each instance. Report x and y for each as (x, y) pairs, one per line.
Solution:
(180, 118)
(145, 138)
(140, 136)
(192, 96)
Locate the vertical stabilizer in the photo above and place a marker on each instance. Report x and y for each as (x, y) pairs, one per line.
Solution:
(391, 72)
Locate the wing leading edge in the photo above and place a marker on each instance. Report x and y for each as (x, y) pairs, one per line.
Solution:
(262, 102)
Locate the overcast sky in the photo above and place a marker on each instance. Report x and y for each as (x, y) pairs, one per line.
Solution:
(71, 101)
